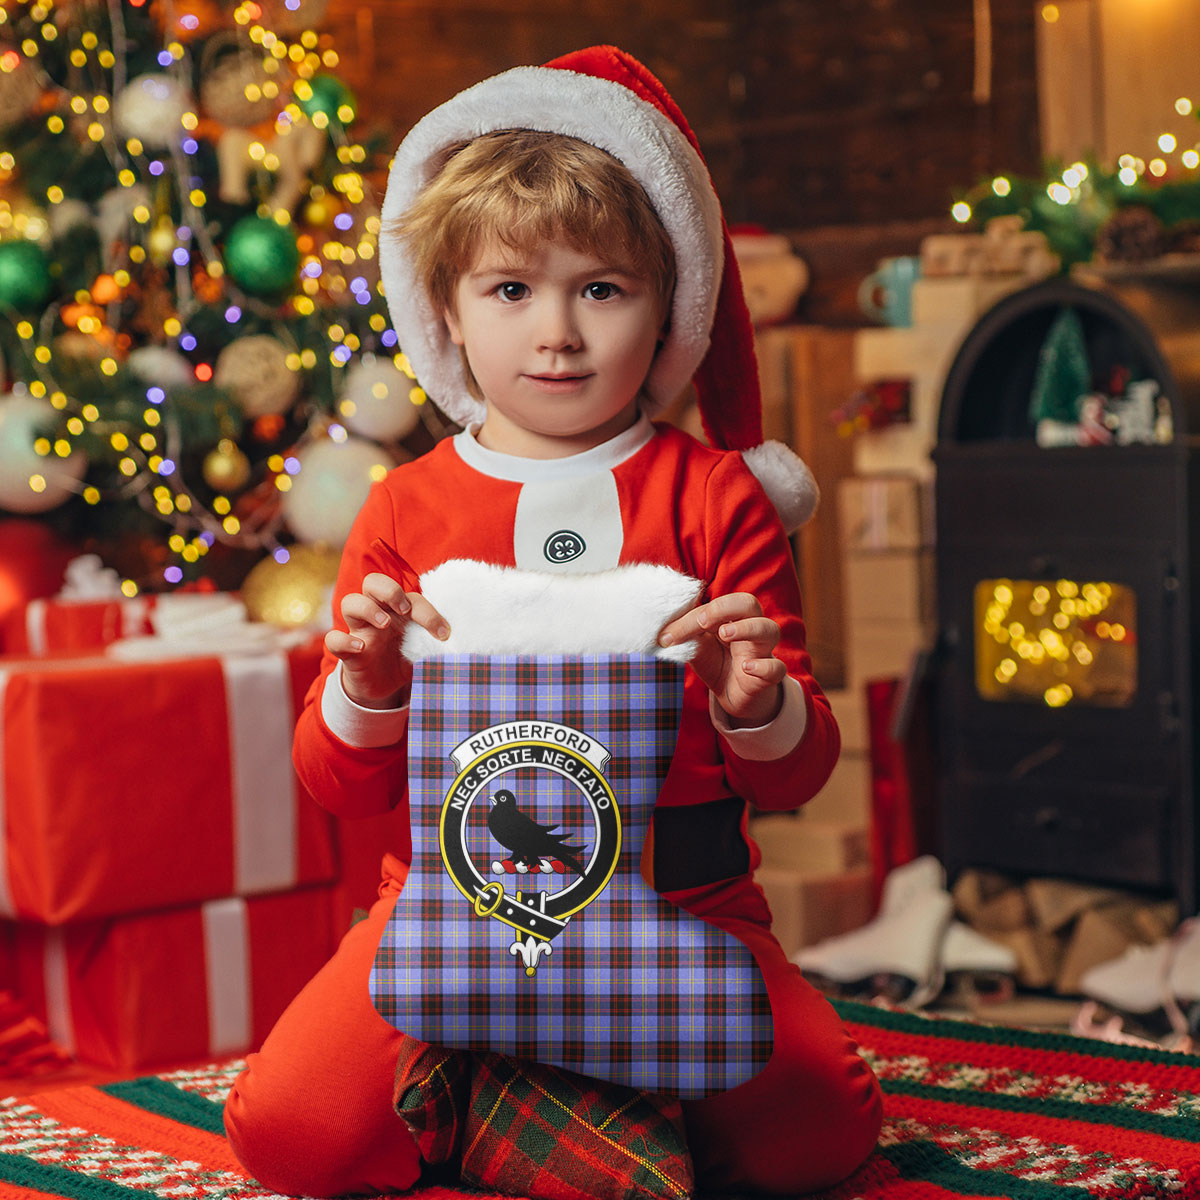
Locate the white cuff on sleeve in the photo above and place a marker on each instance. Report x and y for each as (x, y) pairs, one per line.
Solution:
(356, 725)
(765, 743)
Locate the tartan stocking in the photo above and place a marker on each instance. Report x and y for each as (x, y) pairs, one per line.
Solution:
(525, 926)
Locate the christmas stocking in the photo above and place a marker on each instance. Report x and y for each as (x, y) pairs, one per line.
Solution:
(525, 926)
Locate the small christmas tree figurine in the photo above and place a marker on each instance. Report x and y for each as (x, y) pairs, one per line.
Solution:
(189, 290)
(1064, 375)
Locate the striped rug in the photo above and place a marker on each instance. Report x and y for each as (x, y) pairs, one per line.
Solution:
(972, 1111)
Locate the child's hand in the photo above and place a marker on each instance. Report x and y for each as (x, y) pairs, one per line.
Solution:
(374, 674)
(734, 656)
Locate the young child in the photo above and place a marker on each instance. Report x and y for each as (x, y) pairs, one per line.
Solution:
(557, 267)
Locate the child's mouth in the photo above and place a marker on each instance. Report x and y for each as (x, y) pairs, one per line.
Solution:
(558, 383)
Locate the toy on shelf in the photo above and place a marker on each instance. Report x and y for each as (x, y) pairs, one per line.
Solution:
(1068, 409)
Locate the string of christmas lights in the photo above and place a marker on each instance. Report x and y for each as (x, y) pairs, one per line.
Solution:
(1075, 203)
(191, 321)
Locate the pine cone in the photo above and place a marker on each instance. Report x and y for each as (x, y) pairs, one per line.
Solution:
(1132, 234)
(1184, 238)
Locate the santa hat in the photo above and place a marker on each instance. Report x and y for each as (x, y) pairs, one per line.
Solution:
(607, 98)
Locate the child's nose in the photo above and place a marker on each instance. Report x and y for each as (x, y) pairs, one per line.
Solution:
(558, 329)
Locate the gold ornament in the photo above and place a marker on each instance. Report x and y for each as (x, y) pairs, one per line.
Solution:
(255, 370)
(236, 88)
(162, 242)
(226, 468)
(318, 213)
(295, 593)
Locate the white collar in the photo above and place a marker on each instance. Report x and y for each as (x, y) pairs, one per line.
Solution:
(514, 469)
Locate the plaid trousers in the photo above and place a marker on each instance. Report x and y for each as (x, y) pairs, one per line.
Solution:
(525, 927)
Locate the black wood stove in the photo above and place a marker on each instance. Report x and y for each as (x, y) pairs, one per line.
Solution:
(1068, 657)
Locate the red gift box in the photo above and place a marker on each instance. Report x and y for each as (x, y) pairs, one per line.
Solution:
(173, 987)
(52, 625)
(131, 786)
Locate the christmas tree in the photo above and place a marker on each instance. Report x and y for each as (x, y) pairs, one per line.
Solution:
(196, 357)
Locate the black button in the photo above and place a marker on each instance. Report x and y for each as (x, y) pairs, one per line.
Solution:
(563, 546)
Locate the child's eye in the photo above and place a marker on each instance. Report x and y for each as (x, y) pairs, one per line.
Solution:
(601, 291)
(512, 291)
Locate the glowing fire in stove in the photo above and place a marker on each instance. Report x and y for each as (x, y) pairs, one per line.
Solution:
(1056, 641)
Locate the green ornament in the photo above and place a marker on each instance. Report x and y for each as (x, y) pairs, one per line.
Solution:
(262, 256)
(24, 275)
(328, 95)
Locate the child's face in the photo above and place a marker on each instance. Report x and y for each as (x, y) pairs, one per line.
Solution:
(559, 342)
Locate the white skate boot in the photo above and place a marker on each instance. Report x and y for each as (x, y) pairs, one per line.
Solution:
(898, 953)
(979, 966)
(1155, 987)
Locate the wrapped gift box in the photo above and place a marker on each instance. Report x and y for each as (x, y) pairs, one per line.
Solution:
(130, 786)
(183, 985)
(888, 586)
(885, 512)
(807, 908)
(53, 625)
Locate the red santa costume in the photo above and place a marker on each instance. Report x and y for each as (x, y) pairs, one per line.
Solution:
(313, 1111)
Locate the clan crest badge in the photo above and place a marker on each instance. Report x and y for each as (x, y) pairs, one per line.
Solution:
(533, 851)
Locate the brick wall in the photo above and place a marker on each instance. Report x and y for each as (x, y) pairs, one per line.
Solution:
(810, 113)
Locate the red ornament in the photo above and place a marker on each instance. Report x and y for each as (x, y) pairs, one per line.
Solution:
(267, 428)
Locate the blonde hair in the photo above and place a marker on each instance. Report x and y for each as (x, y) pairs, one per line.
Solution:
(521, 188)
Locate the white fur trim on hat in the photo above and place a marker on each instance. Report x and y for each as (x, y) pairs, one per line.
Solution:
(604, 114)
(786, 479)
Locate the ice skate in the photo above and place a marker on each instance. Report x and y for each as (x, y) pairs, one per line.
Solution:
(1154, 989)
(978, 965)
(898, 953)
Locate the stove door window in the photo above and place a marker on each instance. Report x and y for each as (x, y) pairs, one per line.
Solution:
(1056, 642)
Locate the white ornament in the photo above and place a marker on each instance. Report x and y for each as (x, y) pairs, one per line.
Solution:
(375, 400)
(162, 366)
(29, 482)
(151, 108)
(255, 370)
(330, 488)
(66, 215)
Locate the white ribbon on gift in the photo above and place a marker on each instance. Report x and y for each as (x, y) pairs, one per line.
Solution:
(227, 976)
(258, 695)
(56, 979)
(132, 615)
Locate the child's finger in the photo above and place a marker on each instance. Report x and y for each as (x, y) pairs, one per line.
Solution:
(387, 593)
(428, 617)
(761, 632)
(705, 618)
(362, 612)
(343, 645)
(767, 671)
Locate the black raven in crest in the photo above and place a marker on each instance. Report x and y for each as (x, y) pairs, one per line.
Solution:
(528, 841)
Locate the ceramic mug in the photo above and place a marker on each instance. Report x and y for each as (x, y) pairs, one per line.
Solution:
(886, 294)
